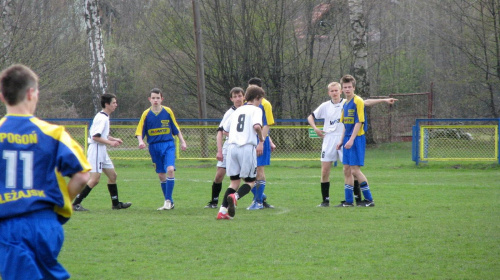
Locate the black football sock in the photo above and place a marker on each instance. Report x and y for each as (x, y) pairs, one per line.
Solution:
(357, 191)
(216, 188)
(224, 200)
(82, 195)
(243, 190)
(113, 192)
(325, 191)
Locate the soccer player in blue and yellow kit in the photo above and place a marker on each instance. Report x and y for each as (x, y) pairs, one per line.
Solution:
(330, 111)
(35, 199)
(264, 149)
(354, 143)
(158, 124)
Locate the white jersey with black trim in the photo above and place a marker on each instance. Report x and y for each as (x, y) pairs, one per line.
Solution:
(100, 125)
(240, 125)
(227, 115)
(331, 113)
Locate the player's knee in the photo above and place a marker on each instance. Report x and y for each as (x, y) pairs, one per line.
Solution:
(219, 176)
(112, 178)
(347, 170)
(355, 171)
(92, 183)
(162, 177)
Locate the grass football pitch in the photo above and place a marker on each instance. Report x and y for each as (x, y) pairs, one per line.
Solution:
(433, 221)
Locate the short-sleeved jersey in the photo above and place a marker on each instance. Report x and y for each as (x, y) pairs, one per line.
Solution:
(35, 157)
(267, 113)
(240, 125)
(330, 112)
(352, 113)
(157, 127)
(99, 127)
(228, 114)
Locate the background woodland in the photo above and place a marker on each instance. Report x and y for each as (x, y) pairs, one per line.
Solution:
(296, 46)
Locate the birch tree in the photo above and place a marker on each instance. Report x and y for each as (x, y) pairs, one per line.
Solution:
(360, 52)
(359, 46)
(96, 47)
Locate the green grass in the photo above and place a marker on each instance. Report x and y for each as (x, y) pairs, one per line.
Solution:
(433, 221)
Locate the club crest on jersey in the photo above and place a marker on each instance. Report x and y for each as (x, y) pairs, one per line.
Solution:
(165, 122)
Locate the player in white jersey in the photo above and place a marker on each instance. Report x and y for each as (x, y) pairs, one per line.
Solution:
(330, 111)
(243, 125)
(237, 97)
(98, 157)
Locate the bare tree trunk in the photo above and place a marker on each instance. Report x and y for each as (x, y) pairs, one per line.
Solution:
(360, 51)
(200, 71)
(97, 64)
(6, 10)
(359, 47)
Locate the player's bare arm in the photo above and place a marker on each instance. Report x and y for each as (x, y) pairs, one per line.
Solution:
(142, 145)
(183, 143)
(265, 130)
(271, 143)
(76, 183)
(115, 139)
(219, 146)
(112, 143)
(318, 131)
(371, 102)
(339, 145)
(355, 131)
(258, 129)
(260, 147)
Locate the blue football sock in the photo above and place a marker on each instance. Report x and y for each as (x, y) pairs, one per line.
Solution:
(254, 190)
(349, 195)
(164, 189)
(260, 191)
(170, 189)
(366, 191)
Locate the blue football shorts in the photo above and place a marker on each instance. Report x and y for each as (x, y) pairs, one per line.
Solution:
(162, 155)
(356, 154)
(265, 158)
(18, 238)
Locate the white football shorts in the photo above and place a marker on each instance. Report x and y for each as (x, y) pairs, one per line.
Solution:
(242, 161)
(224, 155)
(329, 152)
(98, 157)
